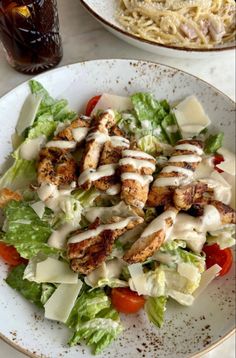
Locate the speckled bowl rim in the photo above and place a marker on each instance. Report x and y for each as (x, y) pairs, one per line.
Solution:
(153, 43)
(156, 64)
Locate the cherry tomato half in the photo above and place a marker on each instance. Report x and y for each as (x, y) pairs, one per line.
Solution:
(10, 255)
(218, 158)
(223, 258)
(126, 301)
(91, 104)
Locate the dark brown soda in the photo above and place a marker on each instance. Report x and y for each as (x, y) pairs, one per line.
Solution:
(29, 31)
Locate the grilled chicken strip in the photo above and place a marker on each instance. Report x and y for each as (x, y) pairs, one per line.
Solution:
(136, 168)
(7, 195)
(97, 136)
(178, 171)
(152, 237)
(111, 154)
(77, 130)
(227, 214)
(56, 166)
(88, 249)
(186, 196)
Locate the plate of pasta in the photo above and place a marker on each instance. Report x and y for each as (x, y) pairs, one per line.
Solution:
(117, 213)
(183, 28)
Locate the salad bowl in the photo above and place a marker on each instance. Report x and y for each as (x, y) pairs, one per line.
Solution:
(187, 331)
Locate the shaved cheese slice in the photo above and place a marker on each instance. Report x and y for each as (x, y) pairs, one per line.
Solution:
(55, 271)
(39, 208)
(117, 103)
(182, 298)
(228, 165)
(207, 276)
(191, 116)
(137, 282)
(28, 112)
(60, 304)
(189, 271)
(29, 149)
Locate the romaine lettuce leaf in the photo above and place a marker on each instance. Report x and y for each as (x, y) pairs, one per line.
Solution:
(20, 174)
(98, 332)
(32, 291)
(147, 108)
(155, 308)
(213, 143)
(224, 237)
(88, 306)
(26, 231)
(171, 128)
(47, 291)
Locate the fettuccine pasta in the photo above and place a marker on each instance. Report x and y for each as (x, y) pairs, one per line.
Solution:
(181, 23)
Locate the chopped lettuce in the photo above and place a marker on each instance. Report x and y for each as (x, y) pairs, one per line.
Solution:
(94, 320)
(147, 108)
(155, 308)
(47, 291)
(213, 143)
(150, 144)
(224, 237)
(174, 252)
(57, 108)
(20, 174)
(88, 306)
(26, 231)
(32, 291)
(171, 128)
(98, 332)
(86, 198)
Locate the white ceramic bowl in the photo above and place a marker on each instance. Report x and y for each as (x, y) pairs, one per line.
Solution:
(187, 331)
(104, 11)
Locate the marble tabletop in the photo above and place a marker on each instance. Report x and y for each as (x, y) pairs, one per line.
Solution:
(85, 39)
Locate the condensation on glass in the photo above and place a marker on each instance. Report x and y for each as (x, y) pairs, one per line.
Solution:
(29, 32)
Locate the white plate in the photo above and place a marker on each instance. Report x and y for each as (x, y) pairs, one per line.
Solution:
(187, 331)
(105, 12)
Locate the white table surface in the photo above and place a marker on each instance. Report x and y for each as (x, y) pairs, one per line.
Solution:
(85, 39)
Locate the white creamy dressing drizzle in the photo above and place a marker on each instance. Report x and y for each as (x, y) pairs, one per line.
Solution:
(118, 141)
(114, 189)
(90, 175)
(99, 137)
(106, 213)
(189, 147)
(136, 154)
(172, 181)
(188, 158)
(61, 144)
(172, 168)
(95, 232)
(30, 148)
(186, 174)
(47, 191)
(142, 179)
(137, 163)
(58, 237)
(160, 224)
(52, 196)
(80, 133)
(210, 220)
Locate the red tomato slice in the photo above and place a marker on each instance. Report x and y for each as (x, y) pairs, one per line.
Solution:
(126, 301)
(218, 158)
(91, 104)
(214, 255)
(10, 255)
